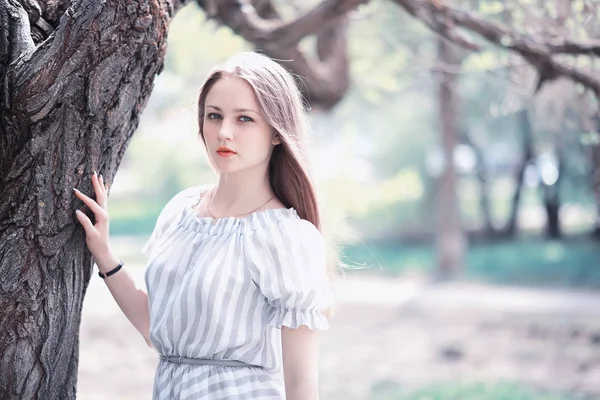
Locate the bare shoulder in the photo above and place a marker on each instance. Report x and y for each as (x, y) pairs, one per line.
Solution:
(275, 203)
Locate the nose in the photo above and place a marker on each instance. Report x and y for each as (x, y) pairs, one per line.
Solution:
(225, 131)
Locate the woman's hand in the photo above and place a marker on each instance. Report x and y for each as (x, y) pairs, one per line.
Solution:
(96, 236)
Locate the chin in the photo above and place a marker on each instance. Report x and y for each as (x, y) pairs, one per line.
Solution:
(226, 167)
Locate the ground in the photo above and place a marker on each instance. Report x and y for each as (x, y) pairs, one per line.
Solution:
(390, 333)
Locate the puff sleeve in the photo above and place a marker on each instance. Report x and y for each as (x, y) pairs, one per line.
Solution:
(290, 270)
(169, 213)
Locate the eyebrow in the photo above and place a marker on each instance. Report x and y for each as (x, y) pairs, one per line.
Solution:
(235, 109)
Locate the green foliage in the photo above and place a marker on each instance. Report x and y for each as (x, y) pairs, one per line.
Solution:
(379, 207)
(132, 217)
(537, 262)
(196, 44)
(466, 391)
(526, 261)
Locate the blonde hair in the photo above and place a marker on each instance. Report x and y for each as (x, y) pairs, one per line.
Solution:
(282, 106)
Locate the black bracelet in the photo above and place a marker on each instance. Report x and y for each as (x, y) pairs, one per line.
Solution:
(112, 271)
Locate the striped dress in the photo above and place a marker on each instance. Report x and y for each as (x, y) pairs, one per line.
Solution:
(222, 289)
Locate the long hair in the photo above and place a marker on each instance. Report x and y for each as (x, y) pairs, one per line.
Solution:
(281, 105)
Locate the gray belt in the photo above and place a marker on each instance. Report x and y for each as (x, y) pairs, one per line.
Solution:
(205, 361)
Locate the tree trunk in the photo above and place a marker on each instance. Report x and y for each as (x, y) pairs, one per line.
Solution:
(510, 228)
(595, 179)
(594, 154)
(484, 190)
(450, 238)
(552, 206)
(551, 195)
(67, 107)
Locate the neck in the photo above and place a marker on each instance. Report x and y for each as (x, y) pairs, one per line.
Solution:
(241, 192)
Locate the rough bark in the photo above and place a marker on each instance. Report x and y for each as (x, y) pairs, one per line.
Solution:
(67, 107)
(450, 237)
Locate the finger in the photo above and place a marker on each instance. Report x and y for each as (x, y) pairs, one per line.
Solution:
(96, 181)
(95, 207)
(104, 191)
(85, 222)
(103, 186)
(99, 189)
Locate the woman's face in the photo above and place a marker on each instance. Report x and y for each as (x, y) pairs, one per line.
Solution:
(236, 134)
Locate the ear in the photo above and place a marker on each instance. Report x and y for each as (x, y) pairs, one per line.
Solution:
(276, 139)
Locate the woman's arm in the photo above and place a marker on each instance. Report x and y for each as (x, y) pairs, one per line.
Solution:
(300, 350)
(132, 300)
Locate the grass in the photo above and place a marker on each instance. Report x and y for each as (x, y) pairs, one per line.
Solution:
(537, 262)
(465, 391)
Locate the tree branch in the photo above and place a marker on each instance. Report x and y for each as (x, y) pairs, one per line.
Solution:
(44, 16)
(536, 50)
(496, 32)
(324, 80)
(93, 28)
(567, 45)
(332, 52)
(501, 34)
(242, 17)
(436, 23)
(327, 79)
(14, 35)
(96, 69)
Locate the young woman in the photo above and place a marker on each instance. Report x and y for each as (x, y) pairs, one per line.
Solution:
(237, 284)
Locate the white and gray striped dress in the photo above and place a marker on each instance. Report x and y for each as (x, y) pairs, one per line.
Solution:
(222, 289)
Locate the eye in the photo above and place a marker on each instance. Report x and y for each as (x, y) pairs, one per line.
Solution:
(213, 116)
(245, 118)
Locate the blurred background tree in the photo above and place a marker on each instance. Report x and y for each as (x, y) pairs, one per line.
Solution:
(522, 137)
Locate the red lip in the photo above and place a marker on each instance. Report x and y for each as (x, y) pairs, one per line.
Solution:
(225, 152)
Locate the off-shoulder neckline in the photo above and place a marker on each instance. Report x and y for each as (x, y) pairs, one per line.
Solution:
(191, 220)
